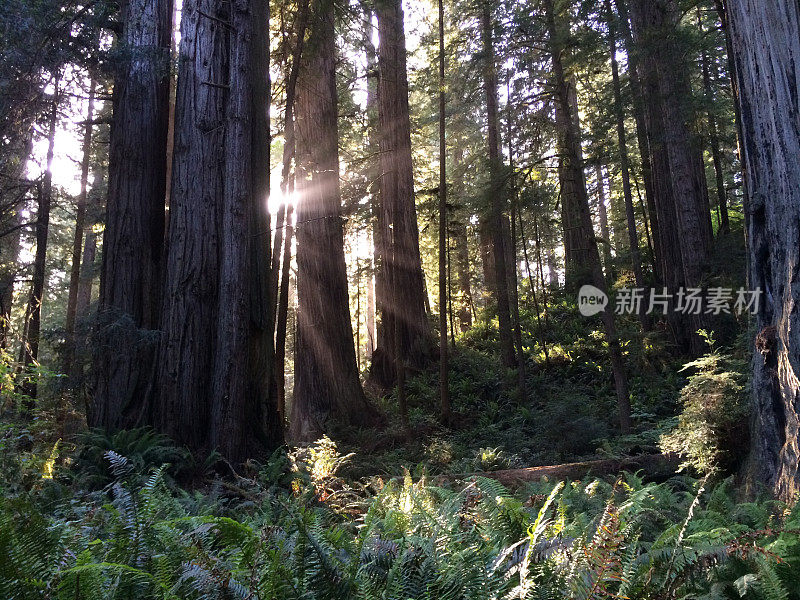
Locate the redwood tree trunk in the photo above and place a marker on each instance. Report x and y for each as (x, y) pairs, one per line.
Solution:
(45, 198)
(460, 232)
(713, 136)
(496, 194)
(87, 272)
(766, 44)
(379, 289)
(634, 69)
(624, 158)
(680, 190)
(574, 178)
(217, 352)
(605, 232)
(444, 388)
(463, 275)
(9, 246)
(283, 313)
(579, 236)
(191, 294)
(327, 386)
(11, 222)
(77, 240)
(404, 313)
(130, 287)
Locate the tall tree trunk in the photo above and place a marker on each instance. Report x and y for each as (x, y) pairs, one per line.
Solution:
(191, 294)
(576, 219)
(679, 177)
(327, 386)
(289, 147)
(574, 177)
(283, 313)
(371, 311)
(605, 232)
(624, 159)
(373, 168)
(713, 135)
(496, 192)
(245, 417)
(460, 233)
(77, 240)
(9, 246)
(766, 45)
(532, 283)
(444, 388)
(722, 12)
(634, 71)
(87, 271)
(85, 285)
(552, 269)
(11, 222)
(404, 313)
(45, 200)
(217, 354)
(463, 276)
(513, 280)
(130, 288)
(173, 94)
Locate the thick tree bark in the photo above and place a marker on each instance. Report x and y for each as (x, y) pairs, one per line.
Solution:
(680, 191)
(766, 44)
(191, 294)
(404, 312)
(327, 386)
(573, 177)
(245, 417)
(496, 193)
(217, 352)
(130, 288)
(77, 240)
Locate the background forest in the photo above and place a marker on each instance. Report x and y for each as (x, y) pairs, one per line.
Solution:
(291, 298)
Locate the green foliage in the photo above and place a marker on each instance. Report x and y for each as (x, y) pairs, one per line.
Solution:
(711, 432)
(145, 538)
(143, 449)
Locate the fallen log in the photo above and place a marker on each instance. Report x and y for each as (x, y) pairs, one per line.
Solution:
(657, 467)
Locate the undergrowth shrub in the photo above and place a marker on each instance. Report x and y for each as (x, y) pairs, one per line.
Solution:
(144, 449)
(712, 429)
(144, 538)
